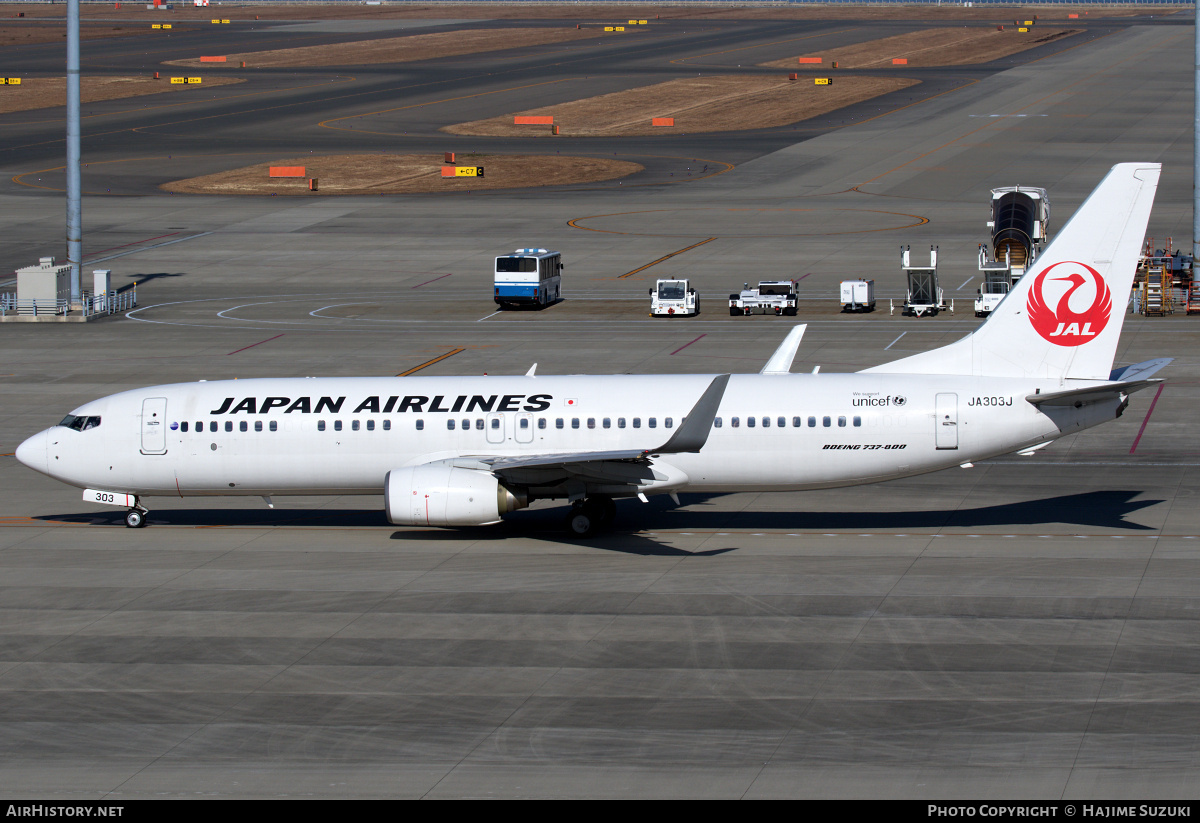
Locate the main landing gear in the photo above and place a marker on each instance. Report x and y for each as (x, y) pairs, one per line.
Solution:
(591, 515)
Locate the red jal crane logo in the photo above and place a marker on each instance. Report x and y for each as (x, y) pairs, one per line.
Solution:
(1060, 322)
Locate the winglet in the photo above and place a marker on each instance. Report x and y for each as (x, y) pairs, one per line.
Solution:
(692, 434)
(781, 360)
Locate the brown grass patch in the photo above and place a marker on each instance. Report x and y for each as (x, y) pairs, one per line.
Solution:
(44, 92)
(698, 104)
(402, 49)
(20, 33)
(574, 11)
(931, 47)
(407, 174)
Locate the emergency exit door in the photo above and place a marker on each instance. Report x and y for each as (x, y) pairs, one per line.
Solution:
(946, 406)
(154, 425)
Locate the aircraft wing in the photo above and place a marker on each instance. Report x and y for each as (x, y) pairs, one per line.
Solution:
(623, 465)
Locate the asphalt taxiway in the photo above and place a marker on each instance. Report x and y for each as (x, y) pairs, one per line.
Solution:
(1025, 628)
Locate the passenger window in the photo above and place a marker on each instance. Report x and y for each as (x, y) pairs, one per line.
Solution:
(242, 426)
(523, 423)
(337, 425)
(652, 422)
(183, 426)
(749, 422)
(199, 425)
(420, 425)
(637, 422)
(620, 422)
(841, 422)
(228, 425)
(668, 423)
(716, 422)
(320, 425)
(479, 424)
(212, 425)
(591, 422)
(274, 425)
(558, 423)
(450, 425)
(812, 422)
(574, 422)
(258, 425)
(766, 422)
(370, 425)
(354, 425)
(857, 420)
(607, 422)
(541, 422)
(387, 425)
(781, 422)
(734, 422)
(826, 422)
(495, 422)
(796, 422)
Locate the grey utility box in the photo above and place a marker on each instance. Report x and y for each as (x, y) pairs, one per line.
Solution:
(46, 283)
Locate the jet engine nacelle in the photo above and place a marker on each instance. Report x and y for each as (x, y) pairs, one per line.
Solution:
(436, 494)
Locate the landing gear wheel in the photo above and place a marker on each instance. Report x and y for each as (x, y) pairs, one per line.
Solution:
(582, 521)
(135, 519)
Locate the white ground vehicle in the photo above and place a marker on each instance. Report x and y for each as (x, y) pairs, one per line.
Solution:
(858, 295)
(996, 284)
(674, 298)
(528, 277)
(776, 297)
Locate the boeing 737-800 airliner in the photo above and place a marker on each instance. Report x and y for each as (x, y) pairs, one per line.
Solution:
(459, 451)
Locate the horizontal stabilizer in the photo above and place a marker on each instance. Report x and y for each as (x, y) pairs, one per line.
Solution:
(1092, 394)
(1140, 371)
(781, 360)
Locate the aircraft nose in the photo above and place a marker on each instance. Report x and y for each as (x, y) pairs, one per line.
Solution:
(33, 452)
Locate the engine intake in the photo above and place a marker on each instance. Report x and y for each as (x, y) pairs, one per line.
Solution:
(437, 494)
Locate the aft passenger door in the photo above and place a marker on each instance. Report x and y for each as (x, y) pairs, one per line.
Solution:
(946, 420)
(154, 425)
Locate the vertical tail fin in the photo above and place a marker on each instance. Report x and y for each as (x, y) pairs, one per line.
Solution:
(1063, 318)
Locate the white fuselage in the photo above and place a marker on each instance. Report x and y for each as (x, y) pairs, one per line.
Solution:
(343, 435)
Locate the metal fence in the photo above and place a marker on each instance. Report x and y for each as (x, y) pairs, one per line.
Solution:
(90, 306)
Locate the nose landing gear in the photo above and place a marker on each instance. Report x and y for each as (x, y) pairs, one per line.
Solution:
(135, 518)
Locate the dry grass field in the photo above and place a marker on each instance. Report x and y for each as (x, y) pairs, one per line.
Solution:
(44, 92)
(406, 174)
(697, 104)
(932, 47)
(401, 49)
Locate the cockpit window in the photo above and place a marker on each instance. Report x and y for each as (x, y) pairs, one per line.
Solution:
(80, 423)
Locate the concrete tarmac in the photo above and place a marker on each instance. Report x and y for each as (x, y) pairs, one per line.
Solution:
(1025, 628)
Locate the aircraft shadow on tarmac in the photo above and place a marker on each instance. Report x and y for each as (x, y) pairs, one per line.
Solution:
(1104, 510)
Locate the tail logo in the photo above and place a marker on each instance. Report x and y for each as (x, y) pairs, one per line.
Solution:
(1072, 307)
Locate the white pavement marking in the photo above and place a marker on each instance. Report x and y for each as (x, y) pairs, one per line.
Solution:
(894, 342)
(965, 282)
(146, 248)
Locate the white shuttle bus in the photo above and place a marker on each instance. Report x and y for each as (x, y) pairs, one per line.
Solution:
(528, 277)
